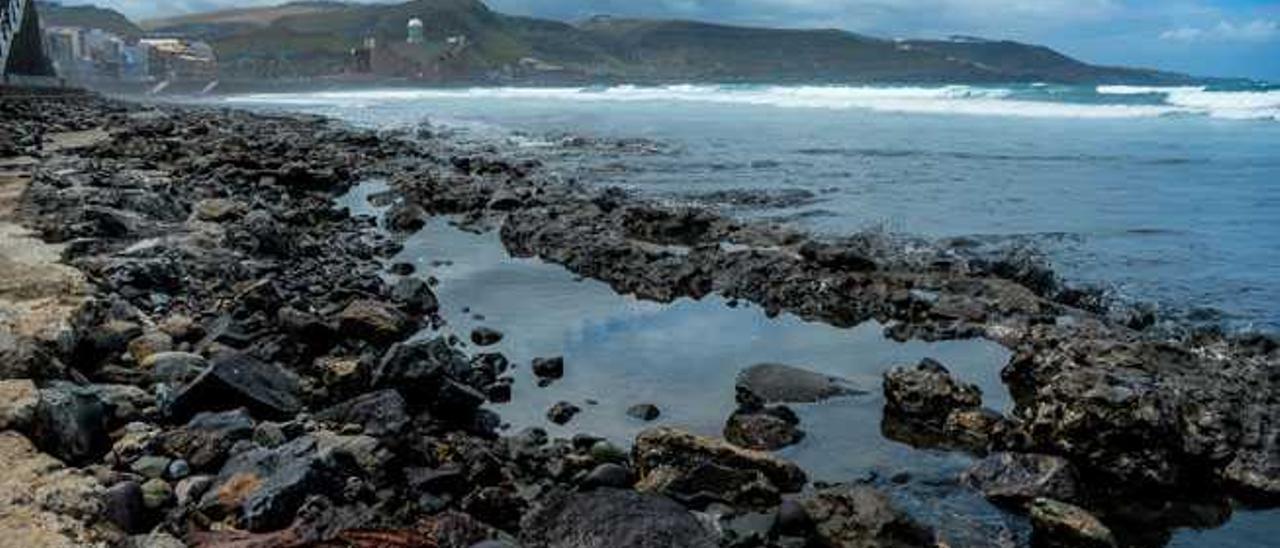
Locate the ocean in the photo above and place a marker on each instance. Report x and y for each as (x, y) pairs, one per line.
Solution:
(1169, 196)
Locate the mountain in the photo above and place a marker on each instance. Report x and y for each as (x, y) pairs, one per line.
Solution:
(317, 38)
(53, 14)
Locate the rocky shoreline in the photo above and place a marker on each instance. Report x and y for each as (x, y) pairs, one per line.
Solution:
(241, 367)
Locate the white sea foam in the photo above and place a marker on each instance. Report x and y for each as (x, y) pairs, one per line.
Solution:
(962, 100)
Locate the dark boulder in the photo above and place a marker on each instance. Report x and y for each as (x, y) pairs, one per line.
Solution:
(562, 412)
(608, 475)
(263, 488)
(764, 429)
(485, 336)
(548, 368)
(837, 257)
(1018, 479)
(405, 217)
(380, 414)
(644, 411)
(374, 321)
(70, 422)
(661, 450)
(776, 383)
(1059, 525)
(415, 295)
(123, 507)
(612, 518)
(418, 368)
(927, 392)
(236, 380)
(863, 517)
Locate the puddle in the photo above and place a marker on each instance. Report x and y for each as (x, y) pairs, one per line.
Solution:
(684, 357)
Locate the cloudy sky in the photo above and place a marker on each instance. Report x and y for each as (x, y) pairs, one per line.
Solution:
(1209, 37)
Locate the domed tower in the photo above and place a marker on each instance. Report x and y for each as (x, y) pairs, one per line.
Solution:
(416, 31)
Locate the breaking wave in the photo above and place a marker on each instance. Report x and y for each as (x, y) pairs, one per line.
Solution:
(1021, 101)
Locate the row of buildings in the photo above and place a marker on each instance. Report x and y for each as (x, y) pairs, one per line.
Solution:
(95, 55)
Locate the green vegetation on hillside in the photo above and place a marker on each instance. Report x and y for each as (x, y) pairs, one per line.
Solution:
(56, 15)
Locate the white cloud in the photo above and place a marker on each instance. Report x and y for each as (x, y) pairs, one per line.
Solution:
(1257, 30)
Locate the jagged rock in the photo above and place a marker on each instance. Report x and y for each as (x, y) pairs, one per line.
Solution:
(380, 414)
(612, 518)
(236, 380)
(105, 341)
(776, 383)
(709, 482)
(405, 217)
(484, 336)
(149, 344)
(975, 429)
(562, 412)
(71, 423)
(1060, 525)
(837, 257)
(1018, 479)
(415, 368)
(263, 488)
(123, 506)
(206, 440)
(644, 411)
(662, 447)
(415, 295)
(18, 401)
(860, 516)
(374, 321)
(927, 392)
(548, 368)
(763, 430)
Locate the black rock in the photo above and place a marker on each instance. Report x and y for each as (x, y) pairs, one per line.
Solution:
(928, 392)
(562, 412)
(500, 391)
(776, 383)
(549, 368)
(613, 518)
(415, 295)
(764, 430)
(608, 475)
(381, 413)
(837, 257)
(416, 368)
(863, 516)
(236, 380)
(402, 269)
(792, 520)
(454, 400)
(484, 336)
(123, 507)
(71, 423)
(644, 411)
(263, 488)
(1018, 479)
(405, 217)
(206, 440)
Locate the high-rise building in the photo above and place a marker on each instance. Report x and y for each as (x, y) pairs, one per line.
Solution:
(416, 31)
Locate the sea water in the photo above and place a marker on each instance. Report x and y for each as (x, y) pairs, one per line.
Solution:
(1162, 195)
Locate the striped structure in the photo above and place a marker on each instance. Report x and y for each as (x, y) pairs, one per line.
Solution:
(21, 46)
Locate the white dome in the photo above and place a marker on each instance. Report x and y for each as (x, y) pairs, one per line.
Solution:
(415, 22)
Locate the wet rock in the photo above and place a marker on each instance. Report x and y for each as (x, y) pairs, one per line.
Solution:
(374, 321)
(205, 441)
(484, 336)
(792, 519)
(608, 475)
(644, 411)
(927, 392)
(612, 518)
(975, 429)
(862, 516)
(405, 217)
(263, 488)
(70, 423)
(379, 414)
(18, 401)
(416, 368)
(562, 412)
(662, 447)
(763, 430)
(415, 295)
(1060, 525)
(549, 368)
(236, 380)
(1018, 479)
(710, 483)
(174, 367)
(150, 466)
(837, 257)
(776, 383)
(605, 451)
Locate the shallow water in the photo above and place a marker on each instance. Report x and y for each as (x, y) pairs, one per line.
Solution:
(684, 356)
(1168, 195)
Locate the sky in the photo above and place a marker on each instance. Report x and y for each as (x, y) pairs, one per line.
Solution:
(1202, 37)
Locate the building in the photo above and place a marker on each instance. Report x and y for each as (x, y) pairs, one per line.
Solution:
(417, 31)
(175, 59)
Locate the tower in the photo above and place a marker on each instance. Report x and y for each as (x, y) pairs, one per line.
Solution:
(416, 35)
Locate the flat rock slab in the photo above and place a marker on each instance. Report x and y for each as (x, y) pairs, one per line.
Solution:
(614, 518)
(240, 380)
(777, 383)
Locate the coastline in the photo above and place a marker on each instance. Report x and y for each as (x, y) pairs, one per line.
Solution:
(224, 218)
